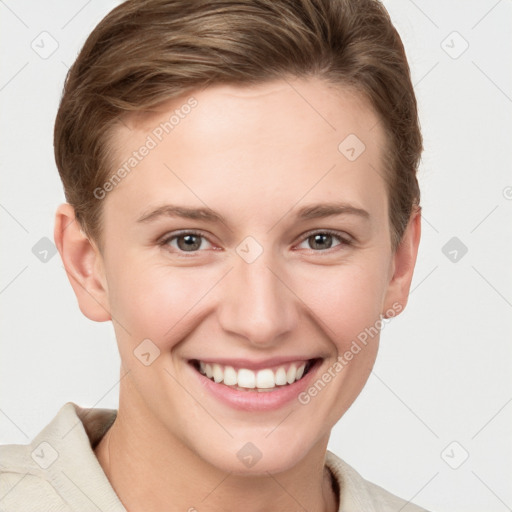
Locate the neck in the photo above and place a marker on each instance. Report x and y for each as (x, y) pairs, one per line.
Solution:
(137, 448)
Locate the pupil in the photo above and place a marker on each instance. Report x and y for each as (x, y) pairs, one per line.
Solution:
(322, 240)
(191, 242)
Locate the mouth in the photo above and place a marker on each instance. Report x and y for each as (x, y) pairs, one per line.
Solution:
(265, 379)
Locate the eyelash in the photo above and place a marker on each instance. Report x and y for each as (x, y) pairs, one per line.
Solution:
(343, 240)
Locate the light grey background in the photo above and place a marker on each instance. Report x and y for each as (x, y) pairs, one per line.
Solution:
(441, 388)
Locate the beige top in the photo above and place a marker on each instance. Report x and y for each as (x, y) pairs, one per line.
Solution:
(59, 471)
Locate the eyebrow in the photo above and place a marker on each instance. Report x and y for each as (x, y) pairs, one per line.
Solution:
(318, 211)
(184, 212)
(315, 211)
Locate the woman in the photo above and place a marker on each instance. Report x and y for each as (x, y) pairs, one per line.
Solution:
(243, 206)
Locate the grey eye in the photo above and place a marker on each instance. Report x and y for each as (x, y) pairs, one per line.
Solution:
(187, 242)
(321, 241)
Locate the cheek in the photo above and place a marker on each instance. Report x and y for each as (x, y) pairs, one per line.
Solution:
(157, 302)
(346, 303)
(346, 300)
(161, 303)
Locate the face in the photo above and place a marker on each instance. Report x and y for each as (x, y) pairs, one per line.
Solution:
(250, 243)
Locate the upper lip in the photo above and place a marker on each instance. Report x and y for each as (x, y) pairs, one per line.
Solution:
(252, 364)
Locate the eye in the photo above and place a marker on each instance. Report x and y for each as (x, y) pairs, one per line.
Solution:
(323, 240)
(186, 241)
(192, 241)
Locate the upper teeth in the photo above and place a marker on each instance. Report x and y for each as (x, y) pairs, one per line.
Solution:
(262, 379)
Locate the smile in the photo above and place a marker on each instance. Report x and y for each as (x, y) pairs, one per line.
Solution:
(264, 379)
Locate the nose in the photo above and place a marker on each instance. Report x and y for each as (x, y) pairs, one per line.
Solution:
(257, 303)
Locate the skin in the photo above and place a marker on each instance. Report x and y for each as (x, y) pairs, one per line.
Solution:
(255, 155)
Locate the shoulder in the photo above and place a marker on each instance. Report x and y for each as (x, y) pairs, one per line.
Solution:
(358, 494)
(23, 484)
(58, 470)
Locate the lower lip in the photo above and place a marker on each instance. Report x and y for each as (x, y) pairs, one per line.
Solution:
(253, 400)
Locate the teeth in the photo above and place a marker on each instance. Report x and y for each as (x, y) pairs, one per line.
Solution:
(263, 380)
(291, 374)
(246, 378)
(230, 376)
(218, 374)
(281, 377)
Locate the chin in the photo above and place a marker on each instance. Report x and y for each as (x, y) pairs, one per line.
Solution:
(260, 456)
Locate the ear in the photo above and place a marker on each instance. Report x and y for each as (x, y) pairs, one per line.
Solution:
(403, 263)
(83, 264)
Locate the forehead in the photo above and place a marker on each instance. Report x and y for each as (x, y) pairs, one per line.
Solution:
(312, 100)
(283, 136)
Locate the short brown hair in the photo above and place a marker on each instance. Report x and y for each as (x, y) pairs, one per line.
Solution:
(145, 52)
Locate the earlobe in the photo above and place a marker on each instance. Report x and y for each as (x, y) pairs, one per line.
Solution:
(83, 264)
(404, 261)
